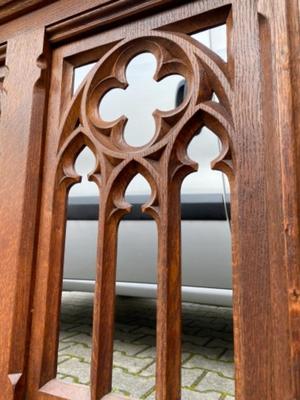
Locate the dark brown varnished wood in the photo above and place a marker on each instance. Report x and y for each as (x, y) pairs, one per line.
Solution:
(43, 129)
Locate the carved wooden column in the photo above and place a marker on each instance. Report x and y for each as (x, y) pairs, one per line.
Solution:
(21, 127)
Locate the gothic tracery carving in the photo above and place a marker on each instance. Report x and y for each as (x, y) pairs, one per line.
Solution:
(205, 74)
(163, 162)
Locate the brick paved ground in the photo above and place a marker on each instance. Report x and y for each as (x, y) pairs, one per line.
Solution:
(207, 364)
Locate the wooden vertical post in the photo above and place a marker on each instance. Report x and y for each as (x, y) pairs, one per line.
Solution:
(251, 259)
(168, 370)
(104, 305)
(265, 216)
(286, 276)
(21, 123)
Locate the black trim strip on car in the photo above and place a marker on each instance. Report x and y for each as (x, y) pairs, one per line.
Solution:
(194, 207)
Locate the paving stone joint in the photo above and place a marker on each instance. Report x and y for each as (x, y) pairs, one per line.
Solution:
(207, 348)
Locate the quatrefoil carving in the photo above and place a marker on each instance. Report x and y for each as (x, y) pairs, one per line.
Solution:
(111, 75)
(140, 100)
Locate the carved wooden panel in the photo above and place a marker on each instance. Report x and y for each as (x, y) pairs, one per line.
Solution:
(257, 152)
(163, 162)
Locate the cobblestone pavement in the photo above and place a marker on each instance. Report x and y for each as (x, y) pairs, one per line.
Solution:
(207, 358)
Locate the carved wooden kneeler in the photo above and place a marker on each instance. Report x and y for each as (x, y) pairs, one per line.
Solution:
(43, 128)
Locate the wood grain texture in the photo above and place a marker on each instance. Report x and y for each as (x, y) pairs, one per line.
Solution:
(256, 120)
(3, 72)
(11, 9)
(249, 222)
(2, 54)
(21, 137)
(55, 15)
(111, 12)
(286, 85)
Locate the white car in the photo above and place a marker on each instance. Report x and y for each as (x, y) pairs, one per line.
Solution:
(206, 239)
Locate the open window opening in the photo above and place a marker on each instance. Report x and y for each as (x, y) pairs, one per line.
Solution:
(140, 99)
(135, 327)
(207, 326)
(80, 73)
(74, 355)
(215, 39)
(207, 339)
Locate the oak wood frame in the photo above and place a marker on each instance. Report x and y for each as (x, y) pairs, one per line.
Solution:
(265, 188)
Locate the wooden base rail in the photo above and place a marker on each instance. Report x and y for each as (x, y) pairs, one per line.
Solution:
(44, 127)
